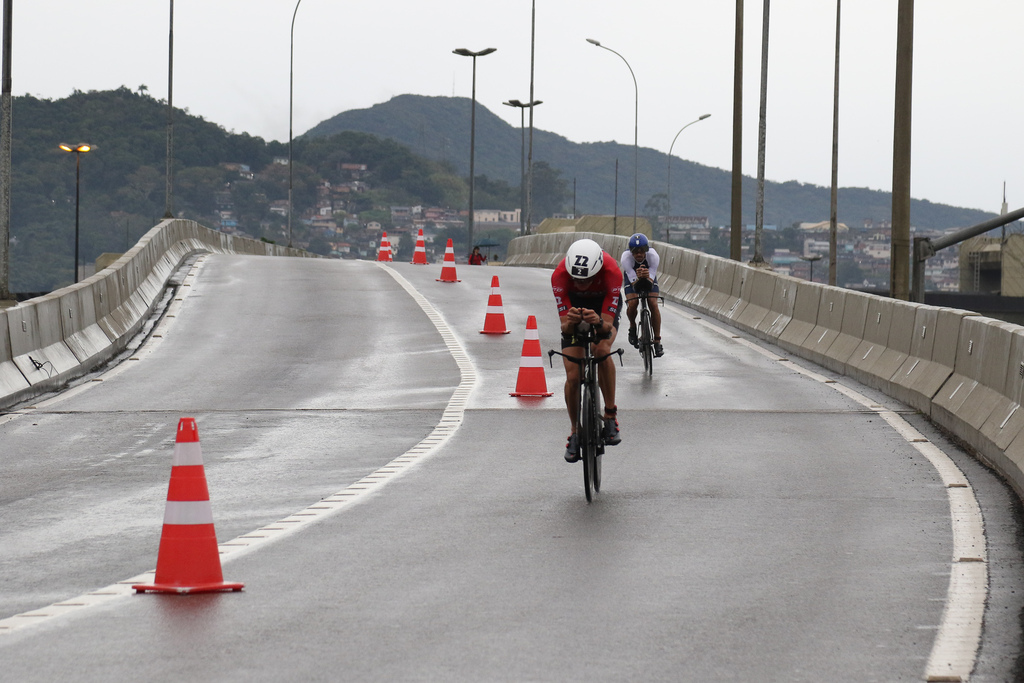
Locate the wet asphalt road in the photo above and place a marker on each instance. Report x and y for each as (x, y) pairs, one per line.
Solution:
(753, 525)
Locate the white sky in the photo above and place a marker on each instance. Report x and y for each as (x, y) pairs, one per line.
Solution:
(231, 63)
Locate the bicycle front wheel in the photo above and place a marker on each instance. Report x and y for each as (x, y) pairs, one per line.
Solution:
(589, 432)
(647, 341)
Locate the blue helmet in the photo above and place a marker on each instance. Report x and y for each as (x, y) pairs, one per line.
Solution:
(639, 241)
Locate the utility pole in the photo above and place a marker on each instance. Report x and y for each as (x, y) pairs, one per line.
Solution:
(5, 158)
(736, 233)
(169, 202)
(833, 221)
(899, 272)
(758, 258)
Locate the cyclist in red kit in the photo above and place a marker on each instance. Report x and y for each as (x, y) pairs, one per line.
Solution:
(586, 286)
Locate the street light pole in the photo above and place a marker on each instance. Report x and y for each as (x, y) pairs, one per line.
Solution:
(736, 226)
(529, 155)
(636, 123)
(5, 157)
(291, 88)
(668, 185)
(759, 207)
(168, 203)
(472, 131)
(523, 106)
(78, 149)
(833, 221)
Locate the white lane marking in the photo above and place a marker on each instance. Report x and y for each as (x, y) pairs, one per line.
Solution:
(372, 483)
(959, 634)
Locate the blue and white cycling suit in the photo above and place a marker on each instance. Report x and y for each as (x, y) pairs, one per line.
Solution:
(630, 264)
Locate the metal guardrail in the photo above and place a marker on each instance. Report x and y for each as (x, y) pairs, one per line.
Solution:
(925, 247)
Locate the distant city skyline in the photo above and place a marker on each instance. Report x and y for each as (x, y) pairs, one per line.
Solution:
(232, 67)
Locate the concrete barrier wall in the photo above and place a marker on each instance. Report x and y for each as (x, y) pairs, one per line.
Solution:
(965, 371)
(49, 340)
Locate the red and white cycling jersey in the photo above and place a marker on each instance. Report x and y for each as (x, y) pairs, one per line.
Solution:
(603, 294)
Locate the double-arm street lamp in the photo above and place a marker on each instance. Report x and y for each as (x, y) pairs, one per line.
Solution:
(472, 130)
(78, 149)
(636, 118)
(523, 106)
(668, 186)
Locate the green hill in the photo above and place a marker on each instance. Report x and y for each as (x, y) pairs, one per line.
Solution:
(415, 150)
(438, 128)
(221, 179)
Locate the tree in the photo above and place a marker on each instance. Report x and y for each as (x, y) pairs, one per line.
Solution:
(654, 209)
(550, 191)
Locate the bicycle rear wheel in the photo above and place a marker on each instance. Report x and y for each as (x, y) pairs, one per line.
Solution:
(647, 340)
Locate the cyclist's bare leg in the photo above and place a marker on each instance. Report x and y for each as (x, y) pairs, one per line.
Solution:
(606, 371)
(572, 383)
(652, 303)
(631, 305)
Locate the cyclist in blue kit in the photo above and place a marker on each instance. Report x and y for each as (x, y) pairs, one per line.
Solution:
(640, 277)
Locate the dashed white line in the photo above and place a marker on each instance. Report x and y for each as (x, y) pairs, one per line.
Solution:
(372, 483)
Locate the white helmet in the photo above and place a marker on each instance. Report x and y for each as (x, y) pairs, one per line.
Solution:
(584, 259)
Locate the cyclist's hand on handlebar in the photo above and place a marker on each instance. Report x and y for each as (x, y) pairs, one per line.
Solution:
(590, 316)
(573, 316)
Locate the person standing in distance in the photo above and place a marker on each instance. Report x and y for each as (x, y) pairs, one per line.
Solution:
(476, 258)
(640, 278)
(586, 286)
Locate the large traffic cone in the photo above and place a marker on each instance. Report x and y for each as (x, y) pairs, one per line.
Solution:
(420, 255)
(531, 380)
(385, 248)
(494, 321)
(448, 268)
(188, 560)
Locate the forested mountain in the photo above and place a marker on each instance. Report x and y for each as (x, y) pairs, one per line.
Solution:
(220, 179)
(438, 128)
(415, 152)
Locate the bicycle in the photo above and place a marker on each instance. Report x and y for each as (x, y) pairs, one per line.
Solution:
(588, 414)
(645, 340)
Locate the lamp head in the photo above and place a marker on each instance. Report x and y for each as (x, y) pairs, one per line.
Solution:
(80, 147)
(469, 53)
(514, 103)
(593, 42)
(704, 116)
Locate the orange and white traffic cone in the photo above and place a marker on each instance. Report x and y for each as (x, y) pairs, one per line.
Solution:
(419, 256)
(448, 267)
(494, 321)
(188, 560)
(385, 248)
(531, 380)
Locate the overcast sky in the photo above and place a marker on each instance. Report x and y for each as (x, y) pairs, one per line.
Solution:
(231, 66)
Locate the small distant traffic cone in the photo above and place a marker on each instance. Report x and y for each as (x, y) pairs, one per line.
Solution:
(188, 560)
(531, 380)
(420, 255)
(448, 268)
(385, 248)
(494, 321)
